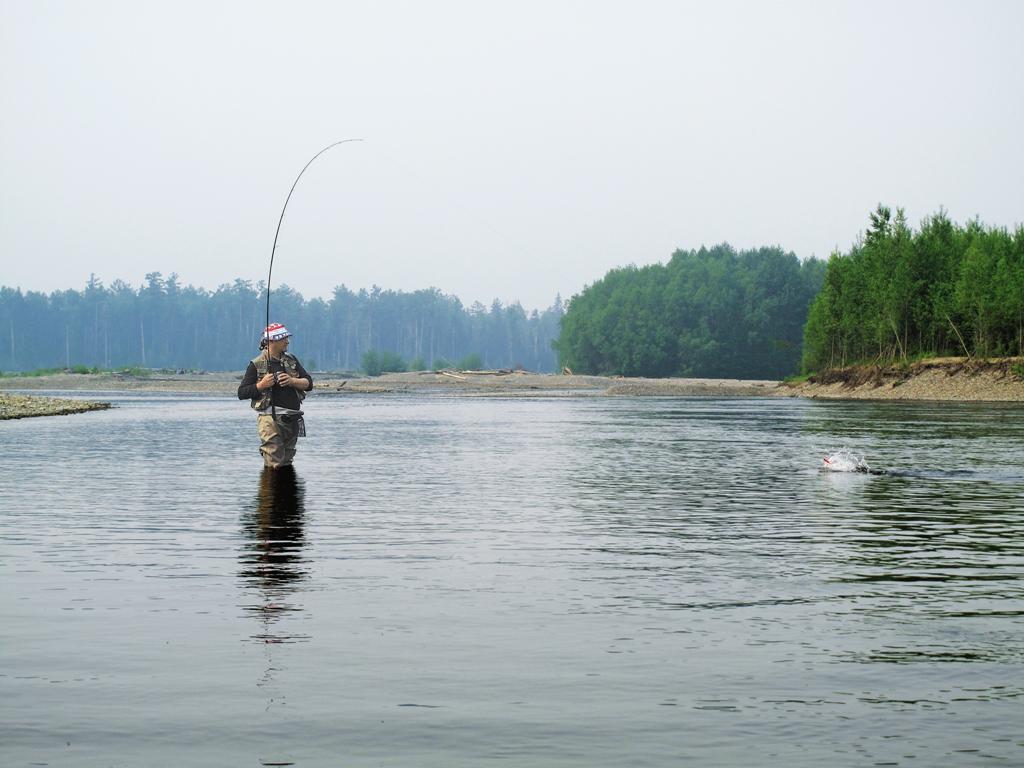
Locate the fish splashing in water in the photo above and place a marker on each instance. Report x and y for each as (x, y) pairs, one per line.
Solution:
(845, 460)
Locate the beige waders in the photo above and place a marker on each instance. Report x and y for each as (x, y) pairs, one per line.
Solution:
(278, 438)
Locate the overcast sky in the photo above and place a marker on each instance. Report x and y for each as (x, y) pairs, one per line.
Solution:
(512, 150)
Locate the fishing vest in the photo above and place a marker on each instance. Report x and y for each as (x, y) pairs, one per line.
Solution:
(290, 365)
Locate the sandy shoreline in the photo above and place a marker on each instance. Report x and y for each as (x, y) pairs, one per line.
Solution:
(521, 384)
(426, 383)
(946, 379)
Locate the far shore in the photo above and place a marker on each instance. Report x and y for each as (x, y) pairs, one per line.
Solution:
(945, 379)
(470, 383)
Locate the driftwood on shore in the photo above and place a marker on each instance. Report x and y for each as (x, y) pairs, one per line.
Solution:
(462, 375)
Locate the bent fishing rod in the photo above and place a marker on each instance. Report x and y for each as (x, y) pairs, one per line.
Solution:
(273, 250)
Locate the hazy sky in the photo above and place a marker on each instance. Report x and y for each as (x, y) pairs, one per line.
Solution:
(512, 150)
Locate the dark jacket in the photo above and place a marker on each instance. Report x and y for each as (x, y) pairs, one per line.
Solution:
(283, 397)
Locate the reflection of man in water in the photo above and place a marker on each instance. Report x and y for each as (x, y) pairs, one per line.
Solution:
(272, 557)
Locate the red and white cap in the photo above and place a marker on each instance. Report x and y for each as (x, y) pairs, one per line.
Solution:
(276, 332)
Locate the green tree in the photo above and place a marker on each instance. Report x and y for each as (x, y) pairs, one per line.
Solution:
(711, 312)
(375, 363)
(945, 289)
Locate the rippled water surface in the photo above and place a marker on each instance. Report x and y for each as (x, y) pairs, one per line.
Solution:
(552, 582)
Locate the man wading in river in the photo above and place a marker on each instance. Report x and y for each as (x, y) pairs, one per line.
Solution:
(276, 383)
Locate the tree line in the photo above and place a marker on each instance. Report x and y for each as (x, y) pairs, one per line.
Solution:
(710, 312)
(897, 294)
(164, 324)
(944, 289)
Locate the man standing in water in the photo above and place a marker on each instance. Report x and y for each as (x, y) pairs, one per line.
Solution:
(275, 383)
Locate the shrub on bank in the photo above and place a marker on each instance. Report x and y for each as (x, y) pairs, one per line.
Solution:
(375, 363)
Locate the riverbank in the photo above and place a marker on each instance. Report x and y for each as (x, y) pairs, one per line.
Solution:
(25, 406)
(525, 384)
(952, 379)
(938, 379)
(469, 383)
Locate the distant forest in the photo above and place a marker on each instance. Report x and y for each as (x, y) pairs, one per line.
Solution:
(897, 294)
(711, 313)
(764, 313)
(162, 324)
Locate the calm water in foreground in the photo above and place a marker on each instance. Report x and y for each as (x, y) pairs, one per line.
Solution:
(557, 582)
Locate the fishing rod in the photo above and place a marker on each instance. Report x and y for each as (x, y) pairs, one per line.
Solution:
(273, 250)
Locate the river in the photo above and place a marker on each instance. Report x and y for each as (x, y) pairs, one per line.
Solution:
(462, 581)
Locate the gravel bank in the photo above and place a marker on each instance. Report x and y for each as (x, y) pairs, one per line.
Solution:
(523, 384)
(955, 379)
(473, 383)
(942, 379)
(24, 406)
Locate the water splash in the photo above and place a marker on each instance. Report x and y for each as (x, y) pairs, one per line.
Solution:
(845, 460)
